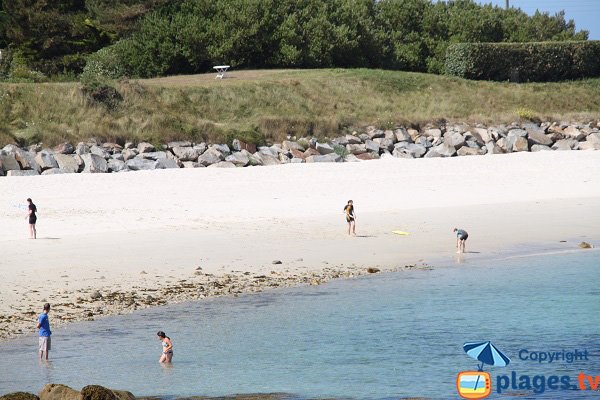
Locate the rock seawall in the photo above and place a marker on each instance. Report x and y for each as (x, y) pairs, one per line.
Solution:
(442, 140)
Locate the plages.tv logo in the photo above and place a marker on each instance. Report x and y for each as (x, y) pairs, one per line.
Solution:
(478, 384)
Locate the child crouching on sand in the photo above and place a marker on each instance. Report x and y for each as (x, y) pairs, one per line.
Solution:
(167, 354)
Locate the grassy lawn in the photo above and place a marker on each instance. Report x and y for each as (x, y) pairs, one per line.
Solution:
(273, 103)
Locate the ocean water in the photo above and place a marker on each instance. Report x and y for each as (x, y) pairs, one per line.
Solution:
(377, 337)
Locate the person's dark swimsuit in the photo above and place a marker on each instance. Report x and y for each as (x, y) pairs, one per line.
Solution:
(32, 216)
(349, 209)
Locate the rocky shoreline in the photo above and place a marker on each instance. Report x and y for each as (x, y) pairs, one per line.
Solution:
(432, 140)
(87, 305)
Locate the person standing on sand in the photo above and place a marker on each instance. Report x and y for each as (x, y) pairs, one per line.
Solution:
(167, 354)
(461, 238)
(350, 217)
(32, 219)
(43, 325)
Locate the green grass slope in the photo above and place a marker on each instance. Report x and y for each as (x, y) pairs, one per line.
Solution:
(273, 103)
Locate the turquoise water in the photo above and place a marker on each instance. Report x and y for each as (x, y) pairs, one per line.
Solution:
(380, 336)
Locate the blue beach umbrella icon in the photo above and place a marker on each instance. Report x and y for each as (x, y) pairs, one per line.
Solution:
(487, 353)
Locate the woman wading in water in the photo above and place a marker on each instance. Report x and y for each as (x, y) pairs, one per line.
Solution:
(167, 354)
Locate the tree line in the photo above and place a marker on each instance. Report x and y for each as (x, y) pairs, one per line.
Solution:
(159, 37)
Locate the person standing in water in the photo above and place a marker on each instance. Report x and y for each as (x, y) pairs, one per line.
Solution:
(350, 217)
(32, 219)
(43, 325)
(167, 354)
(461, 238)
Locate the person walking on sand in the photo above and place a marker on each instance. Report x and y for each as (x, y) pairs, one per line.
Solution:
(32, 219)
(43, 325)
(350, 217)
(461, 238)
(167, 354)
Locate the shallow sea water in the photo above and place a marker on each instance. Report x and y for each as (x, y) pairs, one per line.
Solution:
(382, 336)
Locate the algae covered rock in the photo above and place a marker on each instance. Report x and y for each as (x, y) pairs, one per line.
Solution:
(53, 391)
(19, 396)
(97, 392)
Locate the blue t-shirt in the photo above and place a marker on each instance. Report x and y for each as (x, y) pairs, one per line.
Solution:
(44, 325)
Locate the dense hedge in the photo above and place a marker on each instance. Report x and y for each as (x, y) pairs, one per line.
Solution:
(524, 62)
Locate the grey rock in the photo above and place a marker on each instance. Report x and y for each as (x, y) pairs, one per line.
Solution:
(154, 155)
(45, 160)
(468, 151)
(472, 144)
(210, 156)
(422, 140)
(129, 154)
(566, 144)
(222, 164)
(415, 150)
(540, 147)
(64, 148)
(166, 163)
(295, 160)
(190, 164)
(356, 148)
(351, 139)
(402, 135)
(115, 165)
(324, 148)
(67, 163)
(145, 147)
(82, 148)
(351, 158)
(593, 137)
(25, 172)
(93, 163)
(497, 132)
(390, 135)
(332, 157)
(26, 159)
(534, 128)
(185, 153)
(520, 144)
(222, 148)
(483, 133)
(537, 137)
(385, 144)
(432, 153)
(363, 137)
(517, 132)
(129, 145)
(375, 133)
(371, 146)
(493, 148)
(445, 150)
(99, 151)
(340, 141)
(238, 158)
(182, 143)
(201, 148)
(289, 145)
(139, 164)
(265, 159)
(505, 144)
(413, 133)
(474, 137)
(587, 145)
(455, 140)
(116, 156)
(53, 171)
(573, 132)
(435, 132)
(270, 151)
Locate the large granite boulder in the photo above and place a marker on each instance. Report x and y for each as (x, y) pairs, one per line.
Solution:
(435, 132)
(537, 137)
(402, 135)
(67, 163)
(332, 157)
(93, 163)
(574, 133)
(413, 149)
(385, 144)
(520, 144)
(289, 145)
(99, 151)
(140, 164)
(115, 165)
(210, 156)
(238, 159)
(182, 143)
(468, 151)
(493, 148)
(166, 163)
(128, 154)
(265, 159)
(54, 391)
(222, 164)
(566, 144)
(24, 172)
(356, 148)
(145, 147)
(53, 171)
(45, 159)
(445, 150)
(82, 148)
(186, 153)
(26, 159)
(455, 140)
(324, 148)
(372, 146)
(539, 147)
(352, 139)
(153, 155)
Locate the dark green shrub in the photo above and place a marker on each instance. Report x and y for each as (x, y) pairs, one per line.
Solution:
(524, 62)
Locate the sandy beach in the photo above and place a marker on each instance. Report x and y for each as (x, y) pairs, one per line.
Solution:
(140, 238)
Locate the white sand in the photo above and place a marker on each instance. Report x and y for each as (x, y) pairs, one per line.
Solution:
(101, 231)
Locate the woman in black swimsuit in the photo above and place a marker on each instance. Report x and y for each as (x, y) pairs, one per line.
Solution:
(32, 219)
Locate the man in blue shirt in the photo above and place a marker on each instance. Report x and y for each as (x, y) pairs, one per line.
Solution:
(44, 326)
(461, 238)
